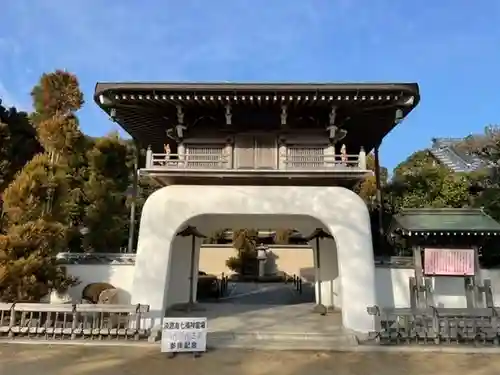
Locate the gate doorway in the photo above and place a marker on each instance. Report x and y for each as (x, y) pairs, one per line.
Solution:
(261, 266)
(270, 305)
(256, 152)
(282, 264)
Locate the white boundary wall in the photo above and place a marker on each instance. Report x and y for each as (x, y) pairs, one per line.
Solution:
(119, 275)
(391, 284)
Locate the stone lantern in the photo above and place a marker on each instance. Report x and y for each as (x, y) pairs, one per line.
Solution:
(262, 258)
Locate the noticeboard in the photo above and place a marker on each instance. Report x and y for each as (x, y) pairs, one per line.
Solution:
(184, 335)
(449, 262)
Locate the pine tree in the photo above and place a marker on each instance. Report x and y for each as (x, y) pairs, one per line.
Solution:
(146, 187)
(18, 145)
(245, 243)
(106, 214)
(35, 206)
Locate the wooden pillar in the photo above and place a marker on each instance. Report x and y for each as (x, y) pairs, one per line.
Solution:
(478, 280)
(181, 154)
(149, 157)
(362, 159)
(317, 273)
(229, 153)
(181, 150)
(329, 160)
(282, 151)
(135, 182)
(419, 276)
(378, 185)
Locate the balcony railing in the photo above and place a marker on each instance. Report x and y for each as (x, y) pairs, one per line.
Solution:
(195, 161)
(188, 161)
(316, 162)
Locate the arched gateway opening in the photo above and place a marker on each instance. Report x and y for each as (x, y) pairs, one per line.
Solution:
(347, 266)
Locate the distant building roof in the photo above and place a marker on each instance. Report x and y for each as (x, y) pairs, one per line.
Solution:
(446, 152)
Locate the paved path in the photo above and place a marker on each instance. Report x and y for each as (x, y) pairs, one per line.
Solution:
(267, 294)
(77, 360)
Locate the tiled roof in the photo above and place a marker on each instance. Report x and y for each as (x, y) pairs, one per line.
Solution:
(445, 221)
(446, 152)
(95, 258)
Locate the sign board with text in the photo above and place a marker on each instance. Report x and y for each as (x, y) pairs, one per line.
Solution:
(184, 335)
(449, 262)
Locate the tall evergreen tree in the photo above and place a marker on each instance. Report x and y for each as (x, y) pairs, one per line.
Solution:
(367, 189)
(106, 214)
(18, 145)
(35, 203)
(421, 182)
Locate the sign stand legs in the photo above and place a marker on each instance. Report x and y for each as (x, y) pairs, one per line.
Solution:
(420, 286)
(478, 292)
(174, 355)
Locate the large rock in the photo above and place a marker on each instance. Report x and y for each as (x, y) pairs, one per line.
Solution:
(93, 293)
(108, 296)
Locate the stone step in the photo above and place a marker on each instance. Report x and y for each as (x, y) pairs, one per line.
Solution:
(281, 341)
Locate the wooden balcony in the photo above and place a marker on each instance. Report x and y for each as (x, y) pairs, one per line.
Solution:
(324, 162)
(223, 162)
(280, 167)
(188, 161)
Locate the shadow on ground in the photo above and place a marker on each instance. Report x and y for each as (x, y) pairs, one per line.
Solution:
(264, 308)
(248, 296)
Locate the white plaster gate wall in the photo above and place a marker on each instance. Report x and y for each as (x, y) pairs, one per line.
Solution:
(348, 271)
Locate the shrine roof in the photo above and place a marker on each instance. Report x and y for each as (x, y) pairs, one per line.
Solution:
(146, 110)
(444, 221)
(247, 86)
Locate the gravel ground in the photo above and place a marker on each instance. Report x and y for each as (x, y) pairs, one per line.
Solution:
(17, 359)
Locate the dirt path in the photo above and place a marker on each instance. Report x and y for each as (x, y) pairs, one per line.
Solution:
(80, 360)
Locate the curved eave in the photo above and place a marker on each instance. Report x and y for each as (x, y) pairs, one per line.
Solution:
(463, 233)
(141, 108)
(409, 88)
(179, 93)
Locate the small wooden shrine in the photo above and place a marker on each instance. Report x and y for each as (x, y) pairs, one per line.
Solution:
(445, 243)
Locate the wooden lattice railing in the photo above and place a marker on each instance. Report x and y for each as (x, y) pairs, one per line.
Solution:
(73, 321)
(478, 326)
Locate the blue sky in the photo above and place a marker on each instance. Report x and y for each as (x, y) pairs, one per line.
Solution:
(451, 47)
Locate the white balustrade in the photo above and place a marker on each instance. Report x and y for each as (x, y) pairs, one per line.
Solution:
(189, 161)
(297, 160)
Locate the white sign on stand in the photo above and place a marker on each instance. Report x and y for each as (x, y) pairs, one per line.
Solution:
(184, 335)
